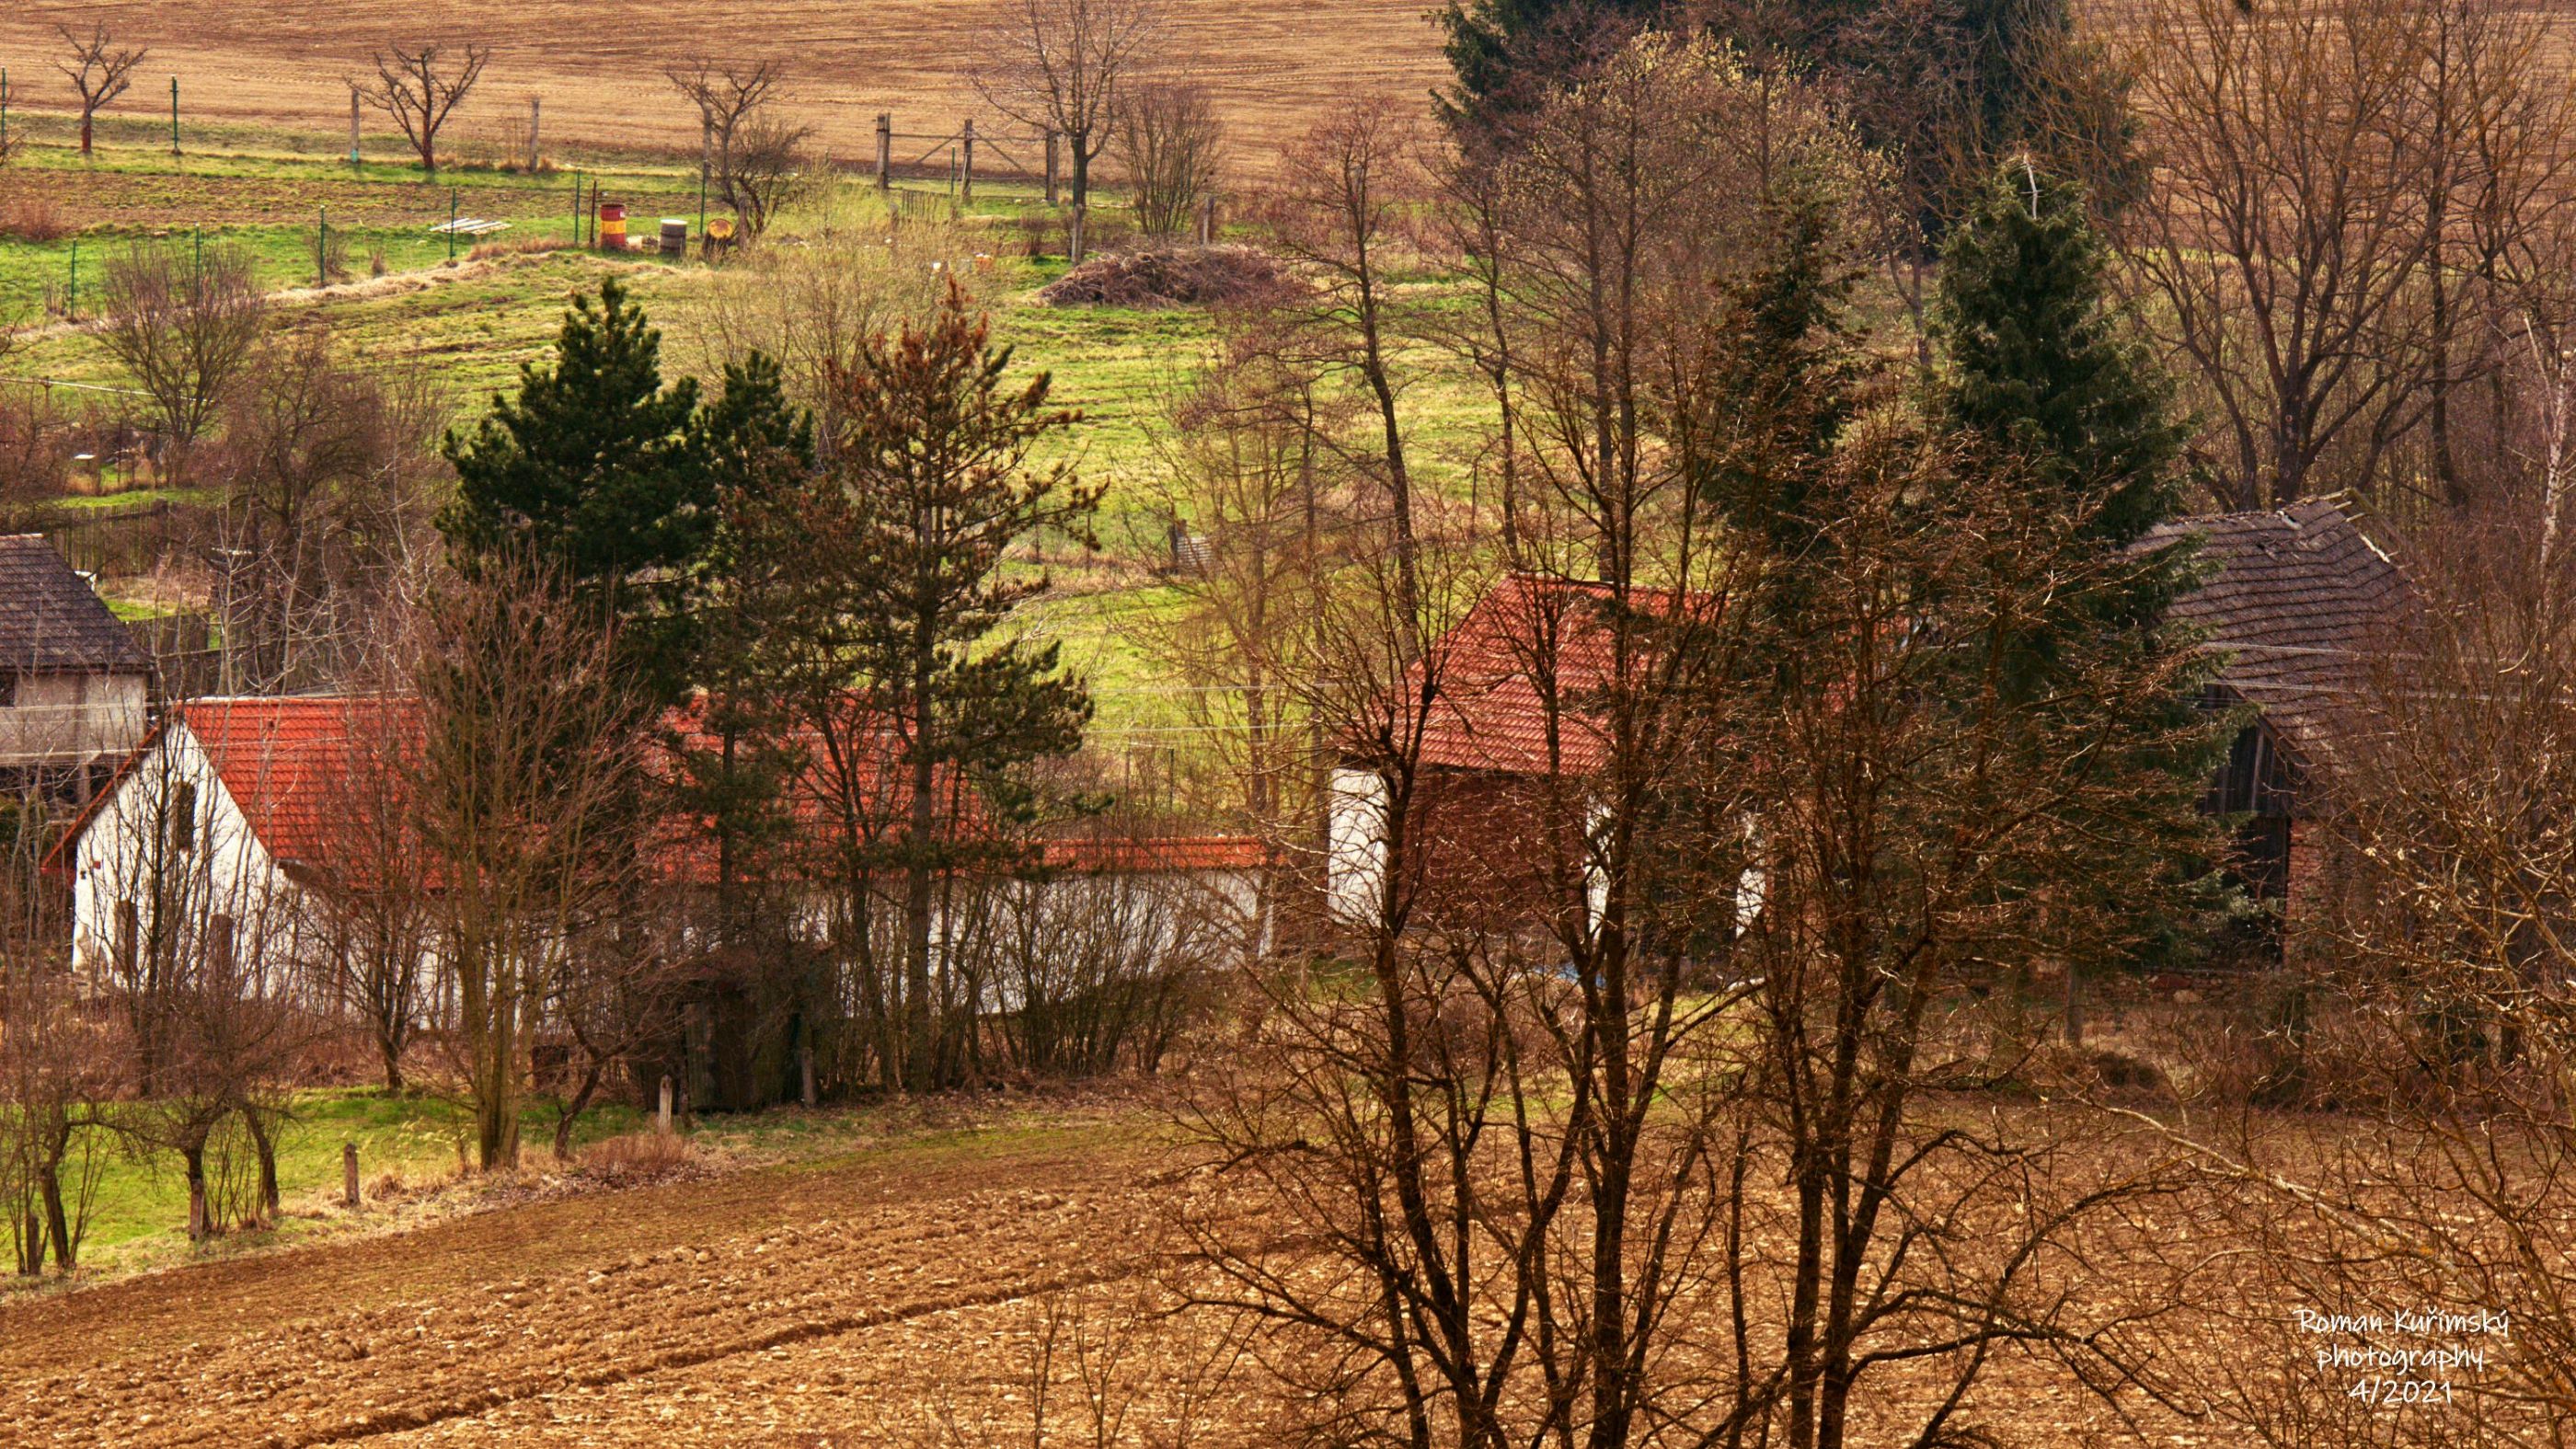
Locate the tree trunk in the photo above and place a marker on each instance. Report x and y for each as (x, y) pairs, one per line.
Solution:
(573, 1109)
(85, 132)
(58, 1224)
(262, 1143)
(194, 1156)
(920, 838)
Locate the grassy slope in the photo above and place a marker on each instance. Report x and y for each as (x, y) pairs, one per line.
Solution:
(139, 1213)
(475, 325)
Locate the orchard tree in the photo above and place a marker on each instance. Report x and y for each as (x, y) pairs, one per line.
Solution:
(420, 87)
(99, 72)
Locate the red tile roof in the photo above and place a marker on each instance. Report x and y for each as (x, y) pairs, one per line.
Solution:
(1489, 710)
(290, 766)
(1150, 855)
(293, 766)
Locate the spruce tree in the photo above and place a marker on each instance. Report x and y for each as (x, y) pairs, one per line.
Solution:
(2040, 363)
(1505, 53)
(2043, 378)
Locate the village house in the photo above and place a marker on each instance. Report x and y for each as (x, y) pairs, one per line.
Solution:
(246, 820)
(74, 685)
(2289, 602)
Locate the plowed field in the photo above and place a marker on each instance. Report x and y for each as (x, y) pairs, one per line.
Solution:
(867, 1303)
(597, 66)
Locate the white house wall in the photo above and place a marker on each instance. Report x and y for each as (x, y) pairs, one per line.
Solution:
(69, 719)
(1355, 853)
(116, 855)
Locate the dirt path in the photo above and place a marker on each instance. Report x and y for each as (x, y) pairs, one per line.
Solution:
(632, 1317)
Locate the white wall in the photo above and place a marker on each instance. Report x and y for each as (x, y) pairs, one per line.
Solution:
(223, 871)
(1355, 850)
(69, 718)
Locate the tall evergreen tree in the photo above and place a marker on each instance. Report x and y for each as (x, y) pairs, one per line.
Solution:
(1941, 90)
(2042, 376)
(599, 473)
(924, 710)
(1506, 53)
(2041, 366)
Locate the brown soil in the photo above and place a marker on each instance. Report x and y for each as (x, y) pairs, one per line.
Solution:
(598, 66)
(774, 1306)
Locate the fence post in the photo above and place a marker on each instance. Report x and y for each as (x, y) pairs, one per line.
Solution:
(1050, 165)
(174, 115)
(1207, 220)
(533, 104)
(885, 149)
(349, 1174)
(662, 1120)
(966, 165)
(451, 226)
(322, 250)
(353, 125)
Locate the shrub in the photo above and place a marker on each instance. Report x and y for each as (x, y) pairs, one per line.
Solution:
(33, 219)
(635, 1157)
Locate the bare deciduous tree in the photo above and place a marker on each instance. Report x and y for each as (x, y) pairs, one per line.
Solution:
(1171, 142)
(1067, 66)
(726, 96)
(98, 70)
(525, 790)
(2351, 203)
(766, 171)
(420, 87)
(1340, 211)
(330, 475)
(183, 325)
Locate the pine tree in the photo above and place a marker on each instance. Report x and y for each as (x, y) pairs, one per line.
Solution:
(894, 595)
(599, 474)
(2043, 378)
(617, 484)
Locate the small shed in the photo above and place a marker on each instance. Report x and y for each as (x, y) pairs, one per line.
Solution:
(2292, 603)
